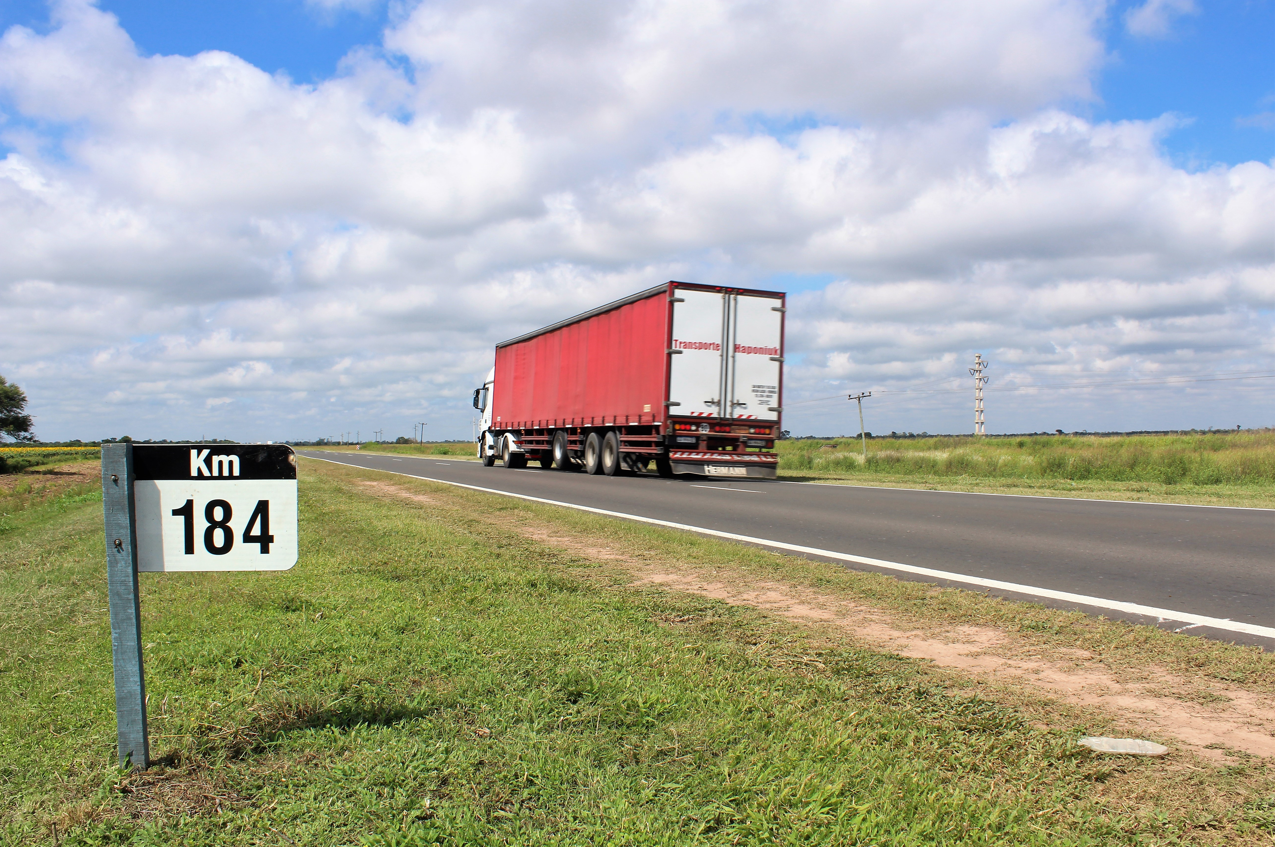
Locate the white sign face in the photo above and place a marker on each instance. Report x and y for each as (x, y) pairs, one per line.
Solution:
(214, 507)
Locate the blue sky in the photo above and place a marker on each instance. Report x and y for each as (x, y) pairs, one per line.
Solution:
(330, 229)
(302, 40)
(1215, 67)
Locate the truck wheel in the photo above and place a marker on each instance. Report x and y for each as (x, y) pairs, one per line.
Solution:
(488, 457)
(508, 458)
(561, 451)
(592, 453)
(663, 466)
(611, 453)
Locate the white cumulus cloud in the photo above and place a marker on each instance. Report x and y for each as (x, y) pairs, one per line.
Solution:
(190, 245)
(1155, 18)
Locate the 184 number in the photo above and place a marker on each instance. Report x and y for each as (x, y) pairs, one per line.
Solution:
(219, 538)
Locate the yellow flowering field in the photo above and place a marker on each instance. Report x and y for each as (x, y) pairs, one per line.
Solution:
(16, 457)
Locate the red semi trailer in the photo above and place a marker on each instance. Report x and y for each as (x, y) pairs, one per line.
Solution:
(687, 376)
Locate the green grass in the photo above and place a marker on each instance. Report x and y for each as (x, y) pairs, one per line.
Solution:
(1218, 468)
(463, 449)
(1242, 458)
(18, 457)
(423, 676)
(37, 493)
(1232, 468)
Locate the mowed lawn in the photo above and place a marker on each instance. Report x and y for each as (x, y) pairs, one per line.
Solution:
(425, 676)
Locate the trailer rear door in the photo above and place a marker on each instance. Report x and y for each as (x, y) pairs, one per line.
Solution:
(697, 354)
(755, 360)
(725, 355)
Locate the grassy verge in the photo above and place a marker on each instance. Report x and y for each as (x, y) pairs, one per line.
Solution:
(1220, 468)
(463, 450)
(1217, 469)
(425, 675)
(1248, 496)
(38, 492)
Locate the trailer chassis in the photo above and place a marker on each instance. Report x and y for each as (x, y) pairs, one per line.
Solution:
(715, 448)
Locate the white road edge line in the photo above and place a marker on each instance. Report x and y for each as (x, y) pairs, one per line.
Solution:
(724, 488)
(1032, 591)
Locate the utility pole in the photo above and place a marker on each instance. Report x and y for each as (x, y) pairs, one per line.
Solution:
(421, 440)
(863, 433)
(979, 381)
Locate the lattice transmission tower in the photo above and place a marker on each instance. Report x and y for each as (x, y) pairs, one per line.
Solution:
(979, 381)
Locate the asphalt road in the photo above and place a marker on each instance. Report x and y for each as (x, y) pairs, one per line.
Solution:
(1187, 561)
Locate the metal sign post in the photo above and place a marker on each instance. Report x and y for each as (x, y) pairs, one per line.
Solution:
(126, 614)
(186, 507)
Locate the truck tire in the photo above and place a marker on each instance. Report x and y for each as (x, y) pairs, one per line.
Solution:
(508, 457)
(610, 460)
(561, 451)
(663, 467)
(488, 457)
(592, 453)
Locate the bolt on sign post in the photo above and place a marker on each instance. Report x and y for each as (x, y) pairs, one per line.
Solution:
(186, 507)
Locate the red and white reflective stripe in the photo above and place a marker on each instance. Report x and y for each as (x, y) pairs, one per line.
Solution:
(746, 417)
(697, 414)
(723, 457)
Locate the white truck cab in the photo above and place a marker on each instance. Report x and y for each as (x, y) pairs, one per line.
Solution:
(488, 449)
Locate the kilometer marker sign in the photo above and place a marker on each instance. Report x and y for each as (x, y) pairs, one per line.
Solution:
(219, 507)
(187, 507)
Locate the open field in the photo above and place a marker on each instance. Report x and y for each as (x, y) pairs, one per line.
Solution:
(42, 490)
(19, 457)
(1195, 459)
(1216, 469)
(448, 667)
(459, 450)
